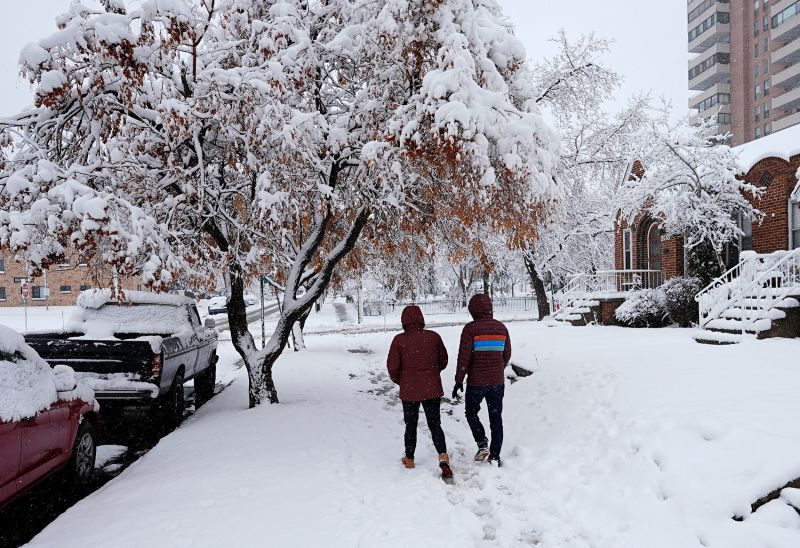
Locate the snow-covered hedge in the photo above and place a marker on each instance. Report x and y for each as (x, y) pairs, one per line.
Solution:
(645, 308)
(680, 293)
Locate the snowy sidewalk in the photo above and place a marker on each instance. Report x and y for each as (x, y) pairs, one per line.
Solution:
(621, 439)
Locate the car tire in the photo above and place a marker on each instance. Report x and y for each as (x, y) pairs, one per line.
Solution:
(80, 470)
(204, 383)
(173, 405)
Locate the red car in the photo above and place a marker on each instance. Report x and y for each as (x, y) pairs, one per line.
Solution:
(48, 422)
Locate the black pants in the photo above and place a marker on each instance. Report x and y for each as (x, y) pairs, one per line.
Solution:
(494, 402)
(411, 416)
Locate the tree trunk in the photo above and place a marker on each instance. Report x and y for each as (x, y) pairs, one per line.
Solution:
(542, 302)
(485, 282)
(262, 387)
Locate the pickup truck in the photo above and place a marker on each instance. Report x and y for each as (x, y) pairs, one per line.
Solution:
(136, 350)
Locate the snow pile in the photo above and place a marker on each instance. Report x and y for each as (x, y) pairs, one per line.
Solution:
(27, 385)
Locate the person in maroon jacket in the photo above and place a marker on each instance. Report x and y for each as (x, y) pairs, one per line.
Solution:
(416, 359)
(483, 355)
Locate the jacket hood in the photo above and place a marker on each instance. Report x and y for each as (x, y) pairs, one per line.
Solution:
(412, 318)
(480, 307)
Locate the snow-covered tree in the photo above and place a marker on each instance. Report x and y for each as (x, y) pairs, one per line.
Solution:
(690, 182)
(576, 235)
(253, 136)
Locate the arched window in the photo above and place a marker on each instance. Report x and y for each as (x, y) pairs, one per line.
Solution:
(654, 248)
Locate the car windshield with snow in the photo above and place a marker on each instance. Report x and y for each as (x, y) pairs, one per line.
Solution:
(137, 350)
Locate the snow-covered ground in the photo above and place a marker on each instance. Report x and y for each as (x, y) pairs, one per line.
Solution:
(40, 318)
(621, 438)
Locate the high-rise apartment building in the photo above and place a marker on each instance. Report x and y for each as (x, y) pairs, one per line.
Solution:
(747, 66)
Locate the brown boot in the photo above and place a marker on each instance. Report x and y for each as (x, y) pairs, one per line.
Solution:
(407, 462)
(444, 464)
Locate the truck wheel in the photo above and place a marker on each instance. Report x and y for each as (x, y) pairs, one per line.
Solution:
(204, 383)
(80, 470)
(174, 406)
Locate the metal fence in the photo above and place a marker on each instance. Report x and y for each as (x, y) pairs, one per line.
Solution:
(434, 307)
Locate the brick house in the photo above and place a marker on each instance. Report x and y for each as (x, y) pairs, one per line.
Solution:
(64, 283)
(645, 257)
(770, 163)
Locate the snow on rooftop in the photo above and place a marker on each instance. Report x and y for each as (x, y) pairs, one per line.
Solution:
(782, 144)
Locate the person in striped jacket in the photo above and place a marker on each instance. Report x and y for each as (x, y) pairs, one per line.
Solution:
(483, 354)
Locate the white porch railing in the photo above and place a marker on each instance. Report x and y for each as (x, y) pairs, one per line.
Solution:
(606, 283)
(755, 286)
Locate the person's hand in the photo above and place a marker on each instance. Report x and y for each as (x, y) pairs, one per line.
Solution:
(459, 387)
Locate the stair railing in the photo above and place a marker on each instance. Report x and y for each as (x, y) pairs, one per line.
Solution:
(773, 286)
(730, 289)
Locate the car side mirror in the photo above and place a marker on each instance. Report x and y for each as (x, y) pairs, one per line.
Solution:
(64, 378)
(210, 323)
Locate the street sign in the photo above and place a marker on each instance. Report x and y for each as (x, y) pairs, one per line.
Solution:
(25, 290)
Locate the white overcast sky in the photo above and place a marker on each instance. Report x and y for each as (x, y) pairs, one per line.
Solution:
(649, 40)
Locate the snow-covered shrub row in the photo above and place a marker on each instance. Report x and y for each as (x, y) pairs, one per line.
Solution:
(680, 293)
(645, 308)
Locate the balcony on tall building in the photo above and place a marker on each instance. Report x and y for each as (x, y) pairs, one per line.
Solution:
(785, 24)
(786, 55)
(788, 120)
(788, 77)
(699, 100)
(786, 101)
(706, 31)
(711, 68)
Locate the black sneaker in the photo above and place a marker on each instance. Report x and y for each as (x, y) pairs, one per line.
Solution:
(496, 461)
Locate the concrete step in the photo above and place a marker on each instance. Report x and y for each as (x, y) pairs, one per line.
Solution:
(723, 325)
(717, 338)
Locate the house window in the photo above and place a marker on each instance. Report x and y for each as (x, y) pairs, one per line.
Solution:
(758, 91)
(85, 287)
(627, 250)
(796, 225)
(2, 293)
(766, 88)
(758, 132)
(38, 293)
(64, 264)
(654, 248)
(65, 289)
(2, 266)
(747, 234)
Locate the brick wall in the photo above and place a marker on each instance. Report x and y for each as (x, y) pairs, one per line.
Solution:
(672, 258)
(777, 178)
(64, 282)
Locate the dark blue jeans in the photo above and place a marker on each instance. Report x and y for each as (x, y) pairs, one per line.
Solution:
(494, 402)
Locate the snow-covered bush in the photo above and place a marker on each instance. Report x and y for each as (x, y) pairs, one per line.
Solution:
(645, 308)
(680, 293)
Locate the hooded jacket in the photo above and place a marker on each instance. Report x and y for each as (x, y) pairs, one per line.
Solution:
(416, 358)
(485, 348)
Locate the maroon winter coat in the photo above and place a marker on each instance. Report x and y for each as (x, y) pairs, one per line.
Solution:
(416, 358)
(485, 348)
